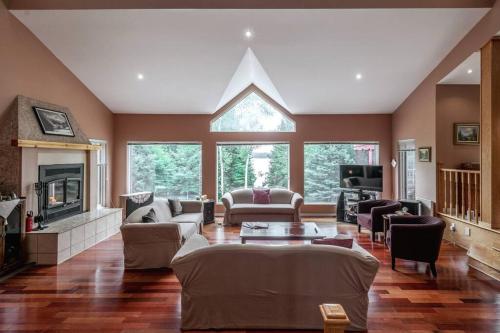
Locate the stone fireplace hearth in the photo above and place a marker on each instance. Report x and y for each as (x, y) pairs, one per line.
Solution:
(66, 165)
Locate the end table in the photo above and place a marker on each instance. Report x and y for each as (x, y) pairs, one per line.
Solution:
(208, 211)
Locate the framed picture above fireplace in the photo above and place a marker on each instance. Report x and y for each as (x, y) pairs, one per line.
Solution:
(54, 122)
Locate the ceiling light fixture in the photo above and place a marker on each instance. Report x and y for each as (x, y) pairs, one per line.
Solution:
(469, 71)
(140, 76)
(359, 76)
(248, 34)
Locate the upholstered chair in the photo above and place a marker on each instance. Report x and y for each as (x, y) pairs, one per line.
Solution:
(370, 214)
(415, 238)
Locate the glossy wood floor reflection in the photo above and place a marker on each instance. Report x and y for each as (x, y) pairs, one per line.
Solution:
(92, 293)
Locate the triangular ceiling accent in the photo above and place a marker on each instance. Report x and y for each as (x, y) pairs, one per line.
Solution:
(250, 71)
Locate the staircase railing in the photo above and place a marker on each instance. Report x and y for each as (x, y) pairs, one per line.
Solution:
(459, 194)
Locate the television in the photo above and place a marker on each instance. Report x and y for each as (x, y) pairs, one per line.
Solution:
(362, 177)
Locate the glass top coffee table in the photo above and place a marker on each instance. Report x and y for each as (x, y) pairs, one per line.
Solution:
(279, 231)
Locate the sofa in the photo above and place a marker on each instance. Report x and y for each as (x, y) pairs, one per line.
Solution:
(253, 286)
(284, 207)
(416, 238)
(153, 245)
(370, 214)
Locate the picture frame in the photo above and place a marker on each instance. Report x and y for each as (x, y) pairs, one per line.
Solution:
(466, 133)
(425, 154)
(53, 122)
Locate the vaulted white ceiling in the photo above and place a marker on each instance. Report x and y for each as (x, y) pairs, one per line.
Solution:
(188, 57)
(250, 71)
(468, 72)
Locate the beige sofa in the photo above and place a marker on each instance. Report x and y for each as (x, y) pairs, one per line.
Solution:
(236, 286)
(284, 207)
(153, 245)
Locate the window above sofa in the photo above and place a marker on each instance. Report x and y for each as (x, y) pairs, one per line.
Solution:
(170, 170)
(252, 165)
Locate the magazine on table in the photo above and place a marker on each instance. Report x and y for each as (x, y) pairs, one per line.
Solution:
(256, 225)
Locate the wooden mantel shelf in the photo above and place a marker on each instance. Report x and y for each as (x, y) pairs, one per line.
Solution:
(54, 145)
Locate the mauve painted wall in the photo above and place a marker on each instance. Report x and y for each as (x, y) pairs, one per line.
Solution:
(28, 68)
(455, 103)
(196, 128)
(415, 118)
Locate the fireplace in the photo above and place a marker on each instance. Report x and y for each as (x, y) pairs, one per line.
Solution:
(62, 194)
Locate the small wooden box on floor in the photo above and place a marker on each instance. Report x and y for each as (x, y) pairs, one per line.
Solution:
(68, 237)
(335, 319)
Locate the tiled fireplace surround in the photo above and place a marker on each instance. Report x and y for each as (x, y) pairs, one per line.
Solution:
(69, 236)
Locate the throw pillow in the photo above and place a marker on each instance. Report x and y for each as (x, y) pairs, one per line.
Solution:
(150, 217)
(261, 196)
(339, 240)
(175, 206)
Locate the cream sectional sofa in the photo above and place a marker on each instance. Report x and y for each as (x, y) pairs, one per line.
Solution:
(153, 245)
(248, 286)
(284, 207)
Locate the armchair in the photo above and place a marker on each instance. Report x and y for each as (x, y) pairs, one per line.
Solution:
(370, 214)
(416, 238)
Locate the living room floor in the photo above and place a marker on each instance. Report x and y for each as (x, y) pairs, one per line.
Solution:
(92, 292)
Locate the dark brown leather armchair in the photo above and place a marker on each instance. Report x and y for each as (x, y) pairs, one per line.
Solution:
(370, 214)
(416, 238)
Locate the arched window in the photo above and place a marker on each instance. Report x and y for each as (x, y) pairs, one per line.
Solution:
(252, 111)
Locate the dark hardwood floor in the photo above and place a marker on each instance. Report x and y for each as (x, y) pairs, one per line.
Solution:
(92, 293)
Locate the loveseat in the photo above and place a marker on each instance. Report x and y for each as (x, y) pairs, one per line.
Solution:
(250, 286)
(153, 245)
(284, 207)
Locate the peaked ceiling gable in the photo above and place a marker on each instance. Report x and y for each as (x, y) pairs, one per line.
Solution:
(250, 71)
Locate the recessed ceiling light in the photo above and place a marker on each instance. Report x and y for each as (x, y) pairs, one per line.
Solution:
(248, 34)
(469, 71)
(359, 76)
(140, 76)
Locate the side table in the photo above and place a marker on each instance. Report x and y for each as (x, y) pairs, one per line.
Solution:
(208, 211)
(387, 224)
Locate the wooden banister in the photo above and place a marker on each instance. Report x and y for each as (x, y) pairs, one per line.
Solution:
(459, 193)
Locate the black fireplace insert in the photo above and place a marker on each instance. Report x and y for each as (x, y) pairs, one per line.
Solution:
(62, 190)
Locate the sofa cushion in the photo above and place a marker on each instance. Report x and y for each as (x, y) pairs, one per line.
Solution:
(188, 230)
(242, 196)
(261, 196)
(188, 218)
(175, 206)
(150, 217)
(162, 210)
(262, 209)
(136, 215)
(281, 196)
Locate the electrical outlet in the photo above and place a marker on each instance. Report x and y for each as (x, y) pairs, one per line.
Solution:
(467, 231)
(453, 227)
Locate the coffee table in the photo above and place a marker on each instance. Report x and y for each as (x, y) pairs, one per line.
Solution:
(281, 231)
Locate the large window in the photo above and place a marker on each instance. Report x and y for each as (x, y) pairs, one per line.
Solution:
(252, 114)
(321, 167)
(102, 166)
(251, 165)
(406, 170)
(170, 170)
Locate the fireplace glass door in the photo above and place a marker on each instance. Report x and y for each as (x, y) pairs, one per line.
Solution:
(72, 190)
(55, 193)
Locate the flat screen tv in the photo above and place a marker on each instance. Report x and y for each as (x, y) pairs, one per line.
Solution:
(362, 177)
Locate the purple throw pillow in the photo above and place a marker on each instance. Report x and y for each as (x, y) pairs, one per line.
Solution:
(342, 241)
(261, 196)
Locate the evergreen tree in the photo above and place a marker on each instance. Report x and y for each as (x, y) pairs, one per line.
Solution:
(321, 169)
(278, 170)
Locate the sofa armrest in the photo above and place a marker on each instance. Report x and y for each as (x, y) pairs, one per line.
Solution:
(192, 206)
(227, 200)
(297, 200)
(151, 232)
(194, 243)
